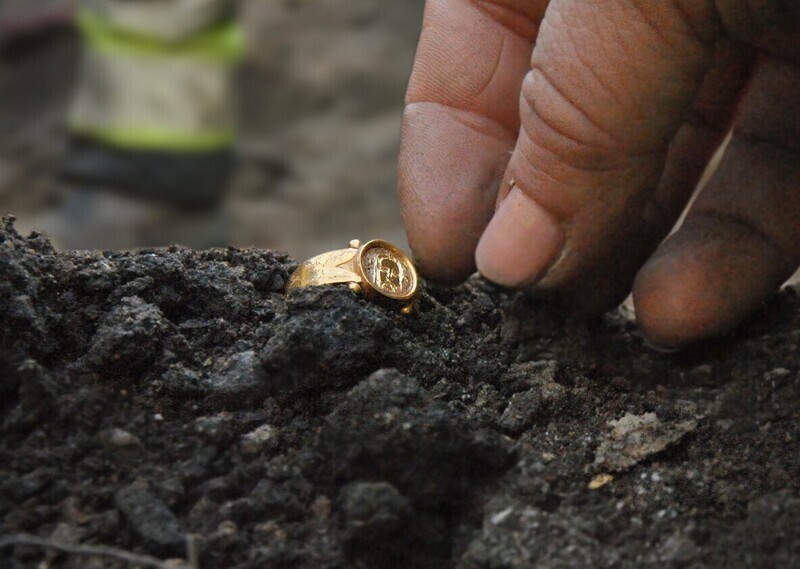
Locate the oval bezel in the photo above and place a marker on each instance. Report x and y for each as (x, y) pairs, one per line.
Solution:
(402, 257)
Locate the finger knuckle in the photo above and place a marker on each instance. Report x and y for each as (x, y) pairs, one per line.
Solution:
(559, 124)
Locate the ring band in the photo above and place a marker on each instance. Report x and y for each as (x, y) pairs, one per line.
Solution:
(377, 269)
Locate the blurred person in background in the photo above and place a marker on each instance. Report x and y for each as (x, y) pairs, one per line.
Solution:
(151, 125)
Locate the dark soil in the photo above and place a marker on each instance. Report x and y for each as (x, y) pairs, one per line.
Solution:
(177, 404)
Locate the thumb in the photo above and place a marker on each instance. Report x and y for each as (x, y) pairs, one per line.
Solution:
(609, 86)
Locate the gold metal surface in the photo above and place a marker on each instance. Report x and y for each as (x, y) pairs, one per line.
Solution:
(376, 269)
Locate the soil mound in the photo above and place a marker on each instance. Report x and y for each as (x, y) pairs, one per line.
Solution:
(174, 404)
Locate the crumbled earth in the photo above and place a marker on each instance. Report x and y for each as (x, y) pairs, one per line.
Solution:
(180, 405)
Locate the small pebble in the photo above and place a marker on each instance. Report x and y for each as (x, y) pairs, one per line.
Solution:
(264, 437)
(599, 481)
(122, 438)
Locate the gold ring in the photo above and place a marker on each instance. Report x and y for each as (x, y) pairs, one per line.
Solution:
(377, 269)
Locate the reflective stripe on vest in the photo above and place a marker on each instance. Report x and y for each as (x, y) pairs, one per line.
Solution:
(223, 42)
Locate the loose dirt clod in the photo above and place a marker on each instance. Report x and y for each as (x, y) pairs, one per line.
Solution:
(634, 438)
(160, 398)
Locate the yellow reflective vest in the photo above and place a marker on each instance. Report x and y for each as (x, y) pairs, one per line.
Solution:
(157, 75)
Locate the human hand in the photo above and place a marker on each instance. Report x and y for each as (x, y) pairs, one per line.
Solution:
(557, 146)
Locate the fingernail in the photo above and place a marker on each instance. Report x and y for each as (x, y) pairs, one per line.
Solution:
(520, 243)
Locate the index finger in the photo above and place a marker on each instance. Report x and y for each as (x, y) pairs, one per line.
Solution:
(460, 125)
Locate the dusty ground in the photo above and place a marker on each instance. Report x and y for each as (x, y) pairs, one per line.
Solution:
(178, 405)
(321, 94)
